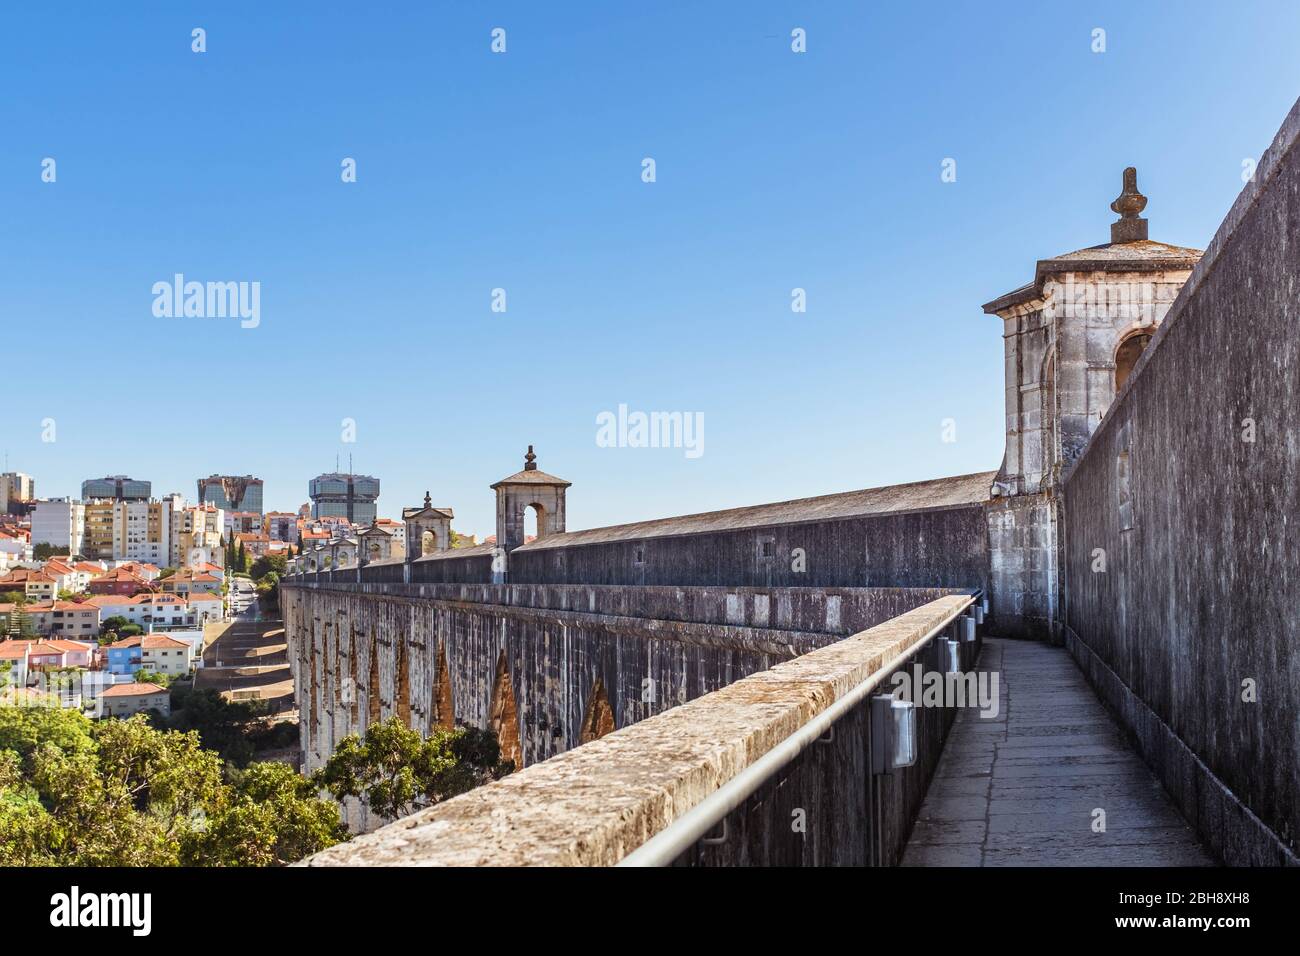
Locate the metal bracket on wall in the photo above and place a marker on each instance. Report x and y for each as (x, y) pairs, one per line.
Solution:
(720, 838)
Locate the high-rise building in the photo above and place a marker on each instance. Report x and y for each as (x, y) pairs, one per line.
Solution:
(116, 488)
(200, 536)
(133, 530)
(231, 492)
(16, 489)
(348, 496)
(100, 529)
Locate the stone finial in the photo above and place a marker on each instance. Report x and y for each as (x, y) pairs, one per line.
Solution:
(530, 460)
(1130, 227)
(428, 502)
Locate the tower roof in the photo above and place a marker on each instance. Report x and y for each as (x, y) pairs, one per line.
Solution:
(1128, 251)
(530, 475)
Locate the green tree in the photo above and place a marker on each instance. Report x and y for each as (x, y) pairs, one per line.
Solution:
(43, 552)
(139, 796)
(143, 676)
(267, 564)
(224, 726)
(13, 597)
(25, 827)
(132, 801)
(23, 730)
(396, 770)
(273, 818)
(110, 629)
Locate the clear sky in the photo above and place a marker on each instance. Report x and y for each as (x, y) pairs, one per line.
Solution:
(523, 171)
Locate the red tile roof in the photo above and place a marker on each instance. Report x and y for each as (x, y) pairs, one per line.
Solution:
(151, 642)
(133, 690)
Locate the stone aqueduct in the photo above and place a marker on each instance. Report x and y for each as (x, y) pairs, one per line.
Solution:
(636, 672)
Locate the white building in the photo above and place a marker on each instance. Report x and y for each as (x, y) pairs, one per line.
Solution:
(60, 522)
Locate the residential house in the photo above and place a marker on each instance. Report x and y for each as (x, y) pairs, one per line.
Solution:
(64, 619)
(123, 700)
(34, 585)
(13, 663)
(255, 545)
(16, 543)
(208, 608)
(120, 581)
(66, 576)
(140, 569)
(123, 657)
(186, 582)
(77, 653)
(160, 653)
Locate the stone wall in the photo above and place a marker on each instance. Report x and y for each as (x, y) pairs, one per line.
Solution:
(594, 804)
(932, 548)
(360, 656)
(819, 610)
(1188, 493)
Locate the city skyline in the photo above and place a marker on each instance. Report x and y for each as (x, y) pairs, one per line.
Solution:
(666, 296)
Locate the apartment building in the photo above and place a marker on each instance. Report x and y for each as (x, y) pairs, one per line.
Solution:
(101, 537)
(60, 522)
(200, 536)
(16, 490)
(281, 526)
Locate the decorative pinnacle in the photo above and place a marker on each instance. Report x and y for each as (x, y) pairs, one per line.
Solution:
(530, 460)
(428, 502)
(1130, 227)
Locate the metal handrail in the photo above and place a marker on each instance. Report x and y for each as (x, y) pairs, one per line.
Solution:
(684, 832)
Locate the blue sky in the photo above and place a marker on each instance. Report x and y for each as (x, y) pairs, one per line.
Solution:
(523, 171)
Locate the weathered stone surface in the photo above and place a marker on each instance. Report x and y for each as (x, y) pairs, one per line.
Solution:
(1035, 805)
(593, 804)
(1197, 522)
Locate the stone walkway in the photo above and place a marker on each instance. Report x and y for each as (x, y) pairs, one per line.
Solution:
(1022, 789)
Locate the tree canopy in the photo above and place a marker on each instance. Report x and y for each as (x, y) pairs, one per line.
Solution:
(139, 796)
(396, 770)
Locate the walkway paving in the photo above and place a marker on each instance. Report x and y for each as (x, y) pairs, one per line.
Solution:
(1024, 788)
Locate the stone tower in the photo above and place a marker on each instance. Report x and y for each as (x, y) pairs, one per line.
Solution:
(526, 489)
(1071, 337)
(436, 522)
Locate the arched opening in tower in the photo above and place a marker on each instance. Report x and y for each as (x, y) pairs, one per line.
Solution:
(1126, 356)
